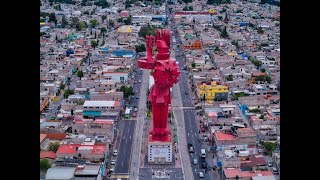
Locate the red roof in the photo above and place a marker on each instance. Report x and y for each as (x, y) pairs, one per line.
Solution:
(71, 149)
(233, 172)
(57, 136)
(116, 103)
(224, 137)
(47, 154)
(42, 137)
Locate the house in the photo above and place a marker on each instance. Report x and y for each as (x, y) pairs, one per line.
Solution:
(88, 172)
(50, 126)
(212, 92)
(101, 109)
(60, 173)
(253, 162)
(43, 140)
(236, 173)
(90, 152)
(106, 96)
(95, 127)
(50, 155)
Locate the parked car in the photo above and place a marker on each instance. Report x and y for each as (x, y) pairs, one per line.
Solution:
(139, 80)
(115, 152)
(270, 164)
(135, 109)
(113, 162)
(134, 114)
(275, 170)
(111, 168)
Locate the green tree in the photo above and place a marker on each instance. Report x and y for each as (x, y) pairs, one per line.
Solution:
(263, 70)
(80, 74)
(193, 64)
(64, 21)
(230, 77)
(54, 146)
(224, 33)
(190, 8)
(226, 18)
(128, 21)
(42, 33)
(147, 30)
(127, 91)
(94, 23)
(185, 8)
(81, 25)
(269, 146)
(140, 48)
(260, 30)
(94, 44)
(84, 2)
(111, 22)
(68, 92)
(104, 17)
(102, 3)
(103, 30)
(44, 164)
(57, 7)
(261, 116)
(52, 18)
(120, 20)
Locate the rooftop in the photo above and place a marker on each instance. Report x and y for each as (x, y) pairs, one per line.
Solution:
(101, 103)
(224, 137)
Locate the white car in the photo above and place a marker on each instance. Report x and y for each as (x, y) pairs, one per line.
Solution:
(195, 161)
(115, 152)
(113, 162)
(111, 168)
(201, 175)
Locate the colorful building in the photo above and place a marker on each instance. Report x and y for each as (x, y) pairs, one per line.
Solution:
(211, 91)
(194, 45)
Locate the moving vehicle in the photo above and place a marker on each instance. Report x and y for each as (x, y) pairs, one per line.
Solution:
(139, 80)
(201, 175)
(134, 114)
(186, 92)
(115, 152)
(113, 162)
(135, 109)
(190, 148)
(270, 163)
(203, 153)
(195, 161)
(204, 165)
(111, 168)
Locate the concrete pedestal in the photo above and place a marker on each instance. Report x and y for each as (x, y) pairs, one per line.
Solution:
(159, 152)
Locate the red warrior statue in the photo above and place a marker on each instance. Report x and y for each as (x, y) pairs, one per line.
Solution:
(165, 74)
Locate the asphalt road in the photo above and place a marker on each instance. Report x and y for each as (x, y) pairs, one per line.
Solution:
(124, 150)
(191, 127)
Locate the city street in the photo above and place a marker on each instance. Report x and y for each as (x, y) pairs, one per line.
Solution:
(124, 147)
(190, 117)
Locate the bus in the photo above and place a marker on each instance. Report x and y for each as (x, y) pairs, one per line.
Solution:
(127, 113)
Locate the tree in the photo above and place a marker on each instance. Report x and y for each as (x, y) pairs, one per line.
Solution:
(147, 30)
(102, 3)
(261, 116)
(42, 33)
(74, 22)
(68, 92)
(104, 17)
(263, 70)
(260, 30)
(94, 23)
(140, 48)
(103, 30)
(54, 146)
(226, 19)
(185, 8)
(190, 8)
(80, 74)
(127, 91)
(120, 20)
(84, 2)
(224, 33)
(57, 7)
(64, 21)
(94, 44)
(269, 146)
(193, 64)
(52, 18)
(230, 77)
(128, 21)
(44, 164)
(111, 22)
(81, 25)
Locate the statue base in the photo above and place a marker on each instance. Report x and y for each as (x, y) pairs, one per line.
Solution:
(160, 149)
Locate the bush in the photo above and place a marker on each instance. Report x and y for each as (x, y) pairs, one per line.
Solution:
(44, 164)
(54, 146)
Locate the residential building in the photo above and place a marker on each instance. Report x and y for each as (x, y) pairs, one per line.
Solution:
(90, 152)
(212, 92)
